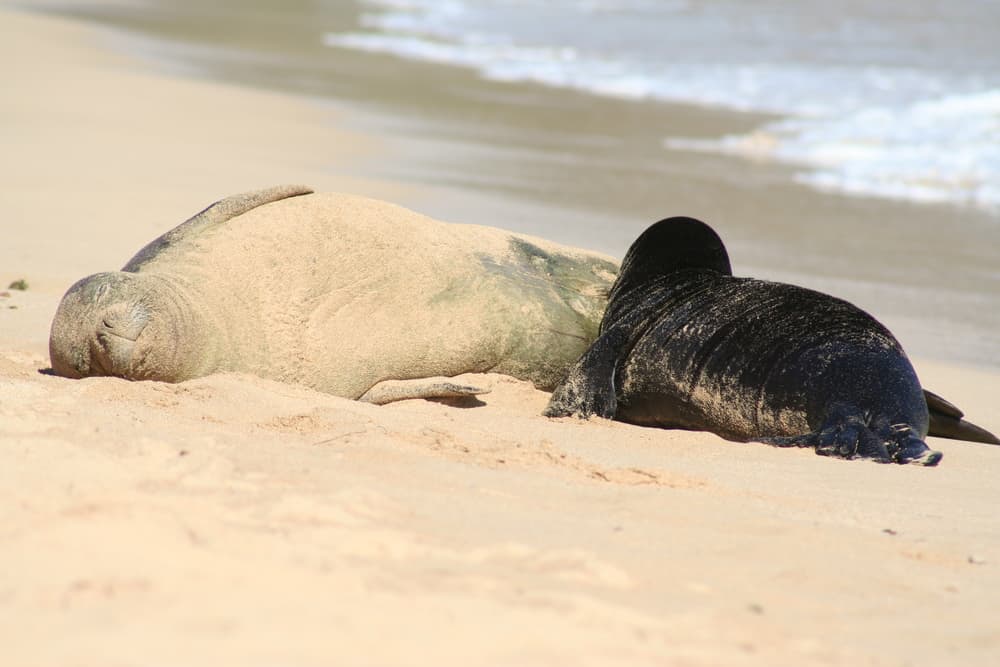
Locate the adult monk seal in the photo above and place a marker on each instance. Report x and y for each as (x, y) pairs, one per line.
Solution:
(350, 296)
(685, 344)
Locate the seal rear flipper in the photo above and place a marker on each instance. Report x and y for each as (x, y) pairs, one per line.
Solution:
(219, 212)
(942, 426)
(941, 406)
(589, 387)
(946, 422)
(389, 391)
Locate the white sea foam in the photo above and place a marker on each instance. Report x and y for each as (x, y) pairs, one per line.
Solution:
(934, 151)
(919, 126)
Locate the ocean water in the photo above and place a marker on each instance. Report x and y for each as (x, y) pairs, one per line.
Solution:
(897, 99)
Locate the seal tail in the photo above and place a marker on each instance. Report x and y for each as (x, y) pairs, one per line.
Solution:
(946, 422)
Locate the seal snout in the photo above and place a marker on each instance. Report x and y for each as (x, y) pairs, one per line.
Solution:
(114, 344)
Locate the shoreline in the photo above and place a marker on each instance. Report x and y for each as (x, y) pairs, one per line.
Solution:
(232, 520)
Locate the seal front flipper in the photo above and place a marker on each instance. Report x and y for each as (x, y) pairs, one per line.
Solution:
(389, 391)
(946, 422)
(589, 388)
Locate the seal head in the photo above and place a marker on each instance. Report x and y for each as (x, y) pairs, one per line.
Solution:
(116, 323)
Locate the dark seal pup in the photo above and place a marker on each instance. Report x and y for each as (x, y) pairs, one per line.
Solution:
(685, 344)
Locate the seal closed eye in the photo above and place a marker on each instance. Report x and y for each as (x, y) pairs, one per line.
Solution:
(685, 344)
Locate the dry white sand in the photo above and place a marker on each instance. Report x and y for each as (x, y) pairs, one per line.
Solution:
(231, 520)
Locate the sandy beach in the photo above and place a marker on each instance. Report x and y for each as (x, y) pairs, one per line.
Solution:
(232, 520)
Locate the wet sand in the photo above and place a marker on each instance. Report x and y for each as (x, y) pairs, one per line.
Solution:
(231, 520)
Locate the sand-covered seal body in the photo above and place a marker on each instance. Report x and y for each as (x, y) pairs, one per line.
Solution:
(335, 292)
(685, 344)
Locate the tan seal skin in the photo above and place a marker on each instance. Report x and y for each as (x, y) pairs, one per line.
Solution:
(338, 293)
